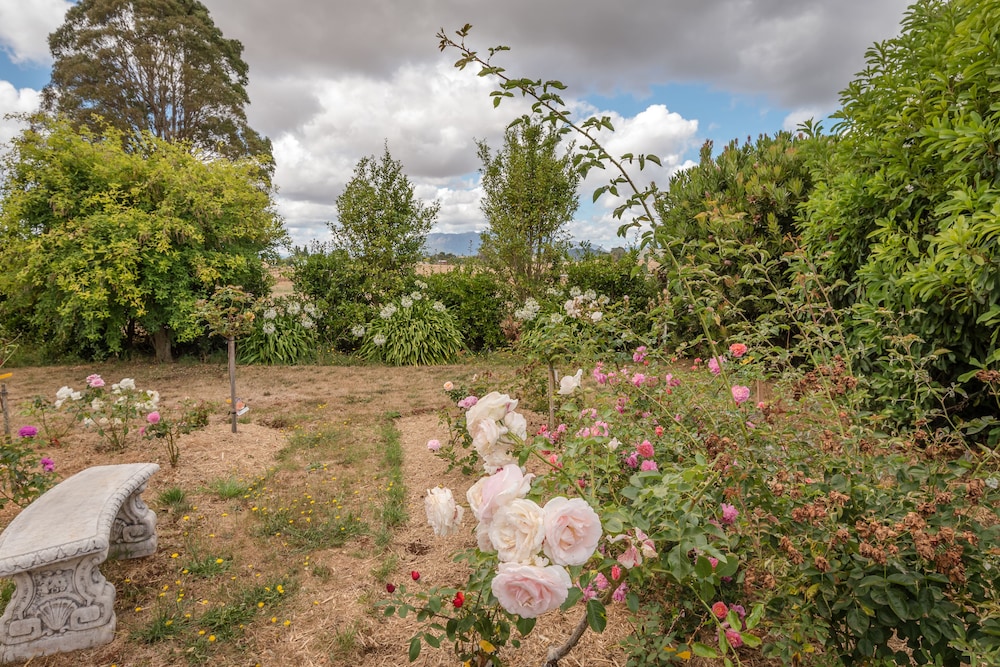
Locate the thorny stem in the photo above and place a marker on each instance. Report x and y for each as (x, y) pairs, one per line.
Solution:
(470, 56)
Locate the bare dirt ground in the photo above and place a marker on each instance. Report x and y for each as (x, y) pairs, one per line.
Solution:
(331, 619)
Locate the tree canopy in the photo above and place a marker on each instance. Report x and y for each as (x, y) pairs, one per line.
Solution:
(104, 236)
(153, 65)
(529, 195)
(381, 223)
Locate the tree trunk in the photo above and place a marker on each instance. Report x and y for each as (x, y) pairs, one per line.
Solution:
(161, 346)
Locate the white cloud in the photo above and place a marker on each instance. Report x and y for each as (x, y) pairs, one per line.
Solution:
(799, 116)
(25, 28)
(14, 101)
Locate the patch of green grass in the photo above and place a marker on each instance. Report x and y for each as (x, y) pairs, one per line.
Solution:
(388, 565)
(322, 572)
(174, 499)
(208, 566)
(393, 510)
(228, 488)
(345, 642)
(6, 592)
(317, 533)
(165, 624)
(323, 439)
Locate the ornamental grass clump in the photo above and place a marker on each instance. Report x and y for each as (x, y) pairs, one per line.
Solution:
(284, 332)
(411, 330)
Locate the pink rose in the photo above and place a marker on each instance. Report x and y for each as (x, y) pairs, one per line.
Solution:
(94, 380)
(740, 394)
(153, 418)
(647, 465)
(645, 449)
(517, 530)
(572, 531)
(493, 491)
(729, 513)
(528, 590)
(737, 350)
(433, 445)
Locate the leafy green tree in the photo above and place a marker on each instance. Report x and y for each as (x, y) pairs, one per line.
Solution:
(156, 65)
(529, 197)
(905, 218)
(103, 237)
(381, 223)
(729, 220)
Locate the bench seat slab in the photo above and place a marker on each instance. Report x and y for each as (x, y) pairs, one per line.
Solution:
(61, 601)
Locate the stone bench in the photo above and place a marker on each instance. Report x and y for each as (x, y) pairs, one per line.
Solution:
(52, 551)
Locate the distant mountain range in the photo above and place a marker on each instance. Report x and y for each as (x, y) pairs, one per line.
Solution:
(466, 244)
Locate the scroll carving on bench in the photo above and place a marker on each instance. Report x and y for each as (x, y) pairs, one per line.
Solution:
(52, 551)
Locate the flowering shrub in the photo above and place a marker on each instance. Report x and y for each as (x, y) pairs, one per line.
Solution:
(161, 427)
(113, 412)
(411, 330)
(284, 332)
(23, 475)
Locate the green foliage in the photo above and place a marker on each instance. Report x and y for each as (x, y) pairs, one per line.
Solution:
(477, 299)
(529, 195)
(162, 426)
(381, 224)
(905, 212)
(622, 277)
(228, 313)
(23, 475)
(102, 243)
(337, 284)
(729, 221)
(412, 330)
(284, 332)
(160, 67)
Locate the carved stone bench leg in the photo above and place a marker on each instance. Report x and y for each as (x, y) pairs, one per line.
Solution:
(64, 607)
(133, 533)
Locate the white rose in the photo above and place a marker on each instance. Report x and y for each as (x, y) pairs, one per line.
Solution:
(517, 530)
(493, 405)
(443, 513)
(570, 383)
(493, 491)
(528, 590)
(483, 539)
(496, 459)
(516, 425)
(572, 531)
(485, 434)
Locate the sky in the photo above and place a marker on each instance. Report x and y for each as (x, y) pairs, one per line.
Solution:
(333, 81)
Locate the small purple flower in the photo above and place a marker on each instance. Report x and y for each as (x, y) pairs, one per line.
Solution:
(619, 594)
(48, 465)
(27, 432)
(467, 402)
(589, 593)
(639, 355)
(601, 582)
(741, 394)
(729, 513)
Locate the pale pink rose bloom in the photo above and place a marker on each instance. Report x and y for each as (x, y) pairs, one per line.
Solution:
(443, 513)
(493, 405)
(572, 531)
(94, 380)
(530, 591)
(153, 418)
(493, 491)
(448, 386)
(740, 394)
(496, 459)
(517, 530)
(485, 434)
(483, 538)
(630, 557)
(433, 445)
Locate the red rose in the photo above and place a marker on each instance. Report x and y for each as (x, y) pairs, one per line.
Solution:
(415, 575)
(459, 599)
